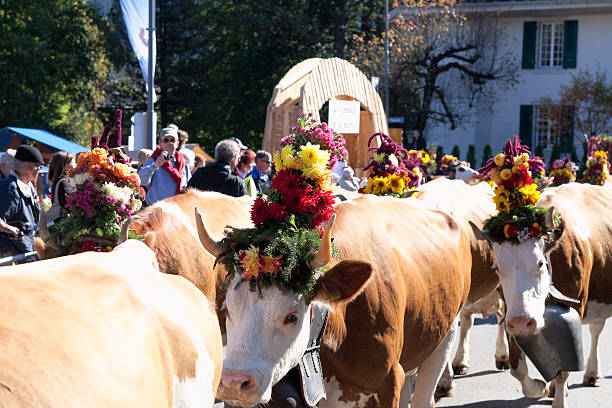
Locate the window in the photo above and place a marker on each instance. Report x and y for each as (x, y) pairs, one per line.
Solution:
(547, 127)
(550, 45)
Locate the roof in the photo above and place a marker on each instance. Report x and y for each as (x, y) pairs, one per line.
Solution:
(42, 136)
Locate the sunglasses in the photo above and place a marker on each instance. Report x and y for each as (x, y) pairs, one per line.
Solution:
(266, 161)
(169, 140)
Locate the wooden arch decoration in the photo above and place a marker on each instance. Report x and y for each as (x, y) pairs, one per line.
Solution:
(307, 86)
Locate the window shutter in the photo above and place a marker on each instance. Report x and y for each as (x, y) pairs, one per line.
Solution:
(570, 43)
(566, 138)
(526, 125)
(529, 44)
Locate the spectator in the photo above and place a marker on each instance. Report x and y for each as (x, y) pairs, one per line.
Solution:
(188, 153)
(7, 162)
(418, 141)
(217, 176)
(143, 156)
(61, 164)
(239, 143)
(174, 174)
(19, 208)
(260, 172)
(246, 163)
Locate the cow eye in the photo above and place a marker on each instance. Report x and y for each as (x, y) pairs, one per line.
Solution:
(461, 169)
(290, 318)
(540, 264)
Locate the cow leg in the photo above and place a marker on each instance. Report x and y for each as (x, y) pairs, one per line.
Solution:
(408, 388)
(446, 386)
(431, 370)
(461, 362)
(501, 347)
(560, 390)
(532, 388)
(391, 388)
(592, 376)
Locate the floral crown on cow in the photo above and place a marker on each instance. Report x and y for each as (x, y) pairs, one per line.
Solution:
(106, 193)
(287, 247)
(518, 218)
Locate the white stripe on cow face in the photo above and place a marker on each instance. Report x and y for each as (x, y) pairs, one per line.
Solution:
(266, 336)
(525, 280)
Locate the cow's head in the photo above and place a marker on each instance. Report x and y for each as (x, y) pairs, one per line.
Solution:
(525, 278)
(463, 172)
(268, 332)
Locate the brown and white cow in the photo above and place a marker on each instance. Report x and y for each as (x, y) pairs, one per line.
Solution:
(105, 330)
(394, 300)
(579, 268)
(469, 203)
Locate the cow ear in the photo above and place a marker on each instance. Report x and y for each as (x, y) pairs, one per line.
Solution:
(343, 282)
(149, 239)
(479, 234)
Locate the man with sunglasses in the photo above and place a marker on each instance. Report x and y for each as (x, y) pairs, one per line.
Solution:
(19, 209)
(261, 171)
(166, 172)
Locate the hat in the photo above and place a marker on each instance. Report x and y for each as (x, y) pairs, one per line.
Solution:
(168, 132)
(29, 154)
(240, 145)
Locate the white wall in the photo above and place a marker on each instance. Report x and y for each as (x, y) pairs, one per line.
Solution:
(594, 52)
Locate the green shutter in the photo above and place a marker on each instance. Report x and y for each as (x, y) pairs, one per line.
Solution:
(529, 44)
(566, 138)
(526, 125)
(570, 43)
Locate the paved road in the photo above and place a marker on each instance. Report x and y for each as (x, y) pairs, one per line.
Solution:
(486, 387)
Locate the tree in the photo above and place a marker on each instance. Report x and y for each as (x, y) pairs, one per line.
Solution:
(471, 156)
(554, 155)
(487, 153)
(455, 152)
(439, 153)
(442, 62)
(53, 65)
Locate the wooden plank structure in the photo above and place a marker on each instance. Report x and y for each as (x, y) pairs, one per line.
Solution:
(308, 86)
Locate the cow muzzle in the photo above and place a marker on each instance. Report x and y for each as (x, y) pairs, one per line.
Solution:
(239, 388)
(521, 325)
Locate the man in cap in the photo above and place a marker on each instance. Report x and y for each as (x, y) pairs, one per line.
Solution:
(166, 172)
(19, 210)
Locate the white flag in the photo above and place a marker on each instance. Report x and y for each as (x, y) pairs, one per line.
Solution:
(136, 17)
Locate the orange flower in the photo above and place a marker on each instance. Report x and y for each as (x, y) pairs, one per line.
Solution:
(99, 156)
(122, 170)
(82, 159)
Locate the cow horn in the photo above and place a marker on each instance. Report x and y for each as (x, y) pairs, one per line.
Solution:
(208, 243)
(325, 249)
(549, 221)
(125, 229)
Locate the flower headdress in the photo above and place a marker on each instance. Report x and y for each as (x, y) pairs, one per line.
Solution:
(392, 170)
(563, 171)
(518, 218)
(597, 168)
(280, 250)
(107, 192)
(448, 161)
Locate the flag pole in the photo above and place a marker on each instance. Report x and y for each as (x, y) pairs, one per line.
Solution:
(150, 142)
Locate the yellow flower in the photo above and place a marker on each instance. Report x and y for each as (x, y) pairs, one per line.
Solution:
(278, 162)
(396, 183)
(530, 193)
(249, 259)
(506, 227)
(379, 185)
(515, 168)
(536, 225)
(424, 156)
(525, 157)
(500, 159)
(313, 156)
(506, 174)
(324, 181)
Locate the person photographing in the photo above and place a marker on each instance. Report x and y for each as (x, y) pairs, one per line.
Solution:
(166, 172)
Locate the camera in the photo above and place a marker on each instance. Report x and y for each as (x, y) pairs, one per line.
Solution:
(169, 156)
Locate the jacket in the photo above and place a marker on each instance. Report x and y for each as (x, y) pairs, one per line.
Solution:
(218, 177)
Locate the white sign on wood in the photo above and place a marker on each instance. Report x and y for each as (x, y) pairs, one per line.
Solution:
(344, 116)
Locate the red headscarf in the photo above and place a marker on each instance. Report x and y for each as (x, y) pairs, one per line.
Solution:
(177, 174)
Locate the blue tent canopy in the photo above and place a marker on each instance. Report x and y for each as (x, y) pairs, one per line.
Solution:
(42, 136)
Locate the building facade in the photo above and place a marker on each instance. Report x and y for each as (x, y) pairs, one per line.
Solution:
(551, 41)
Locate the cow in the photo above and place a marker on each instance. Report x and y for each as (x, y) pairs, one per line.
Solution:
(393, 300)
(468, 203)
(580, 259)
(105, 330)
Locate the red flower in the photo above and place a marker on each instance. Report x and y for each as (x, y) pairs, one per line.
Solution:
(287, 180)
(298, 200)
(533, 232)
(323, 207)
(264, 212)
(513, 231)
